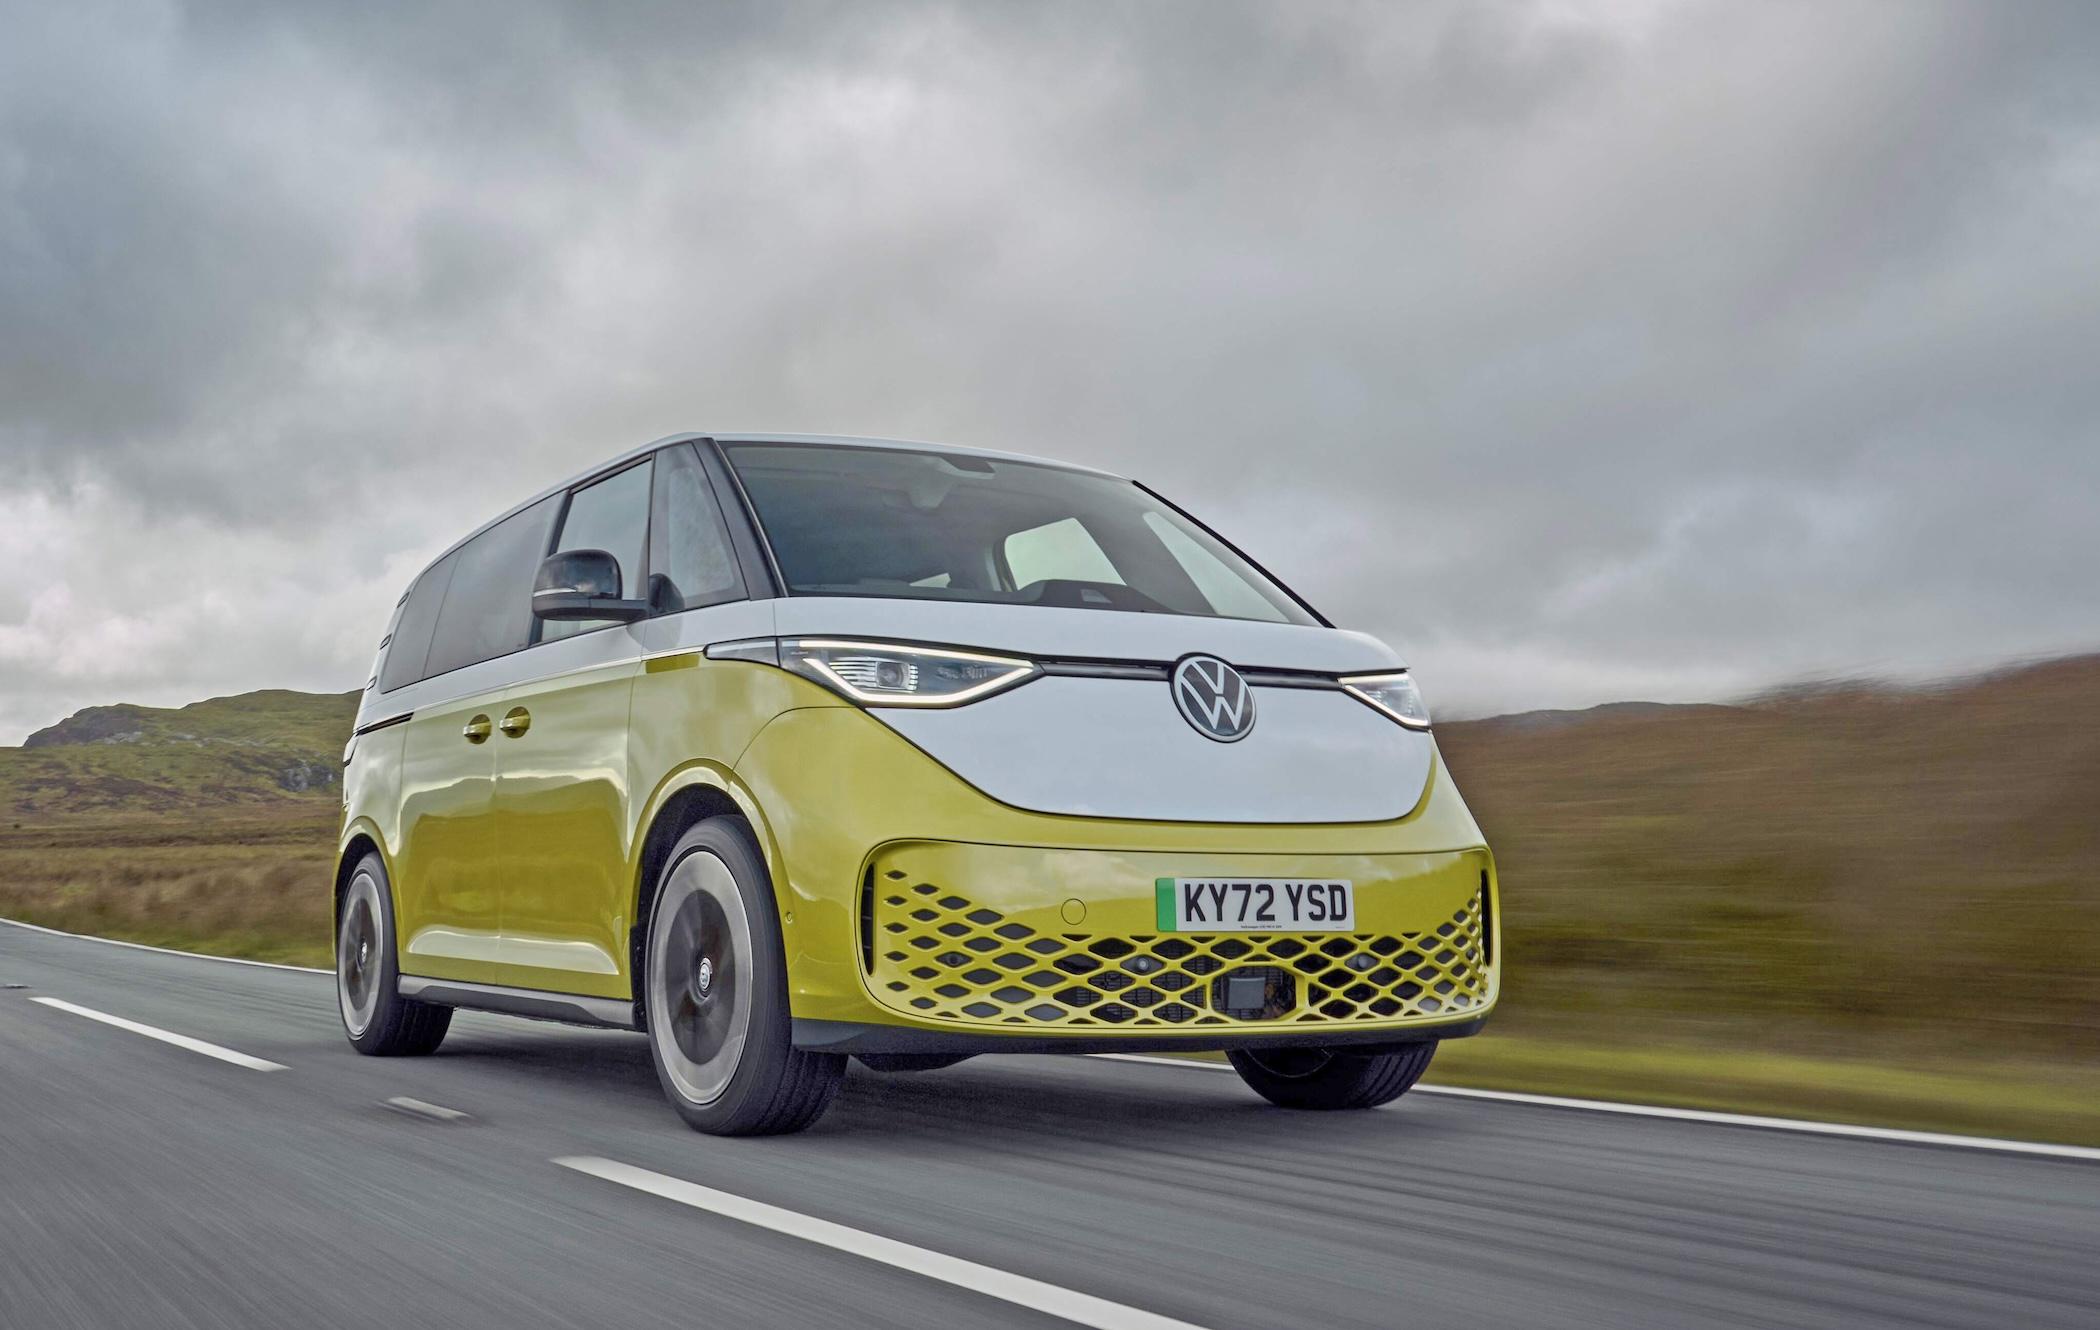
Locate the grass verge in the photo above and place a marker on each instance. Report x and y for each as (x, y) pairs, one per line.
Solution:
(2014, 1101)
(2024, 1100)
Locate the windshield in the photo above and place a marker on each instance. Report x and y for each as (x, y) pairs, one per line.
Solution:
(849, 521)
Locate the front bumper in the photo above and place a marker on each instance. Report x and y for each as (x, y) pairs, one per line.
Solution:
(1003, 939)
(993, 928)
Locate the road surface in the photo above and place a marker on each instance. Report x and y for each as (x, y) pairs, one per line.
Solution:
(149, 1183)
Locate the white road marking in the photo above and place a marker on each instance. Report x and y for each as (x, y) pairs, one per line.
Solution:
(1807, 1125)
(1082, 1308)
(165, 951)
(165, 1036)
(423, 1108)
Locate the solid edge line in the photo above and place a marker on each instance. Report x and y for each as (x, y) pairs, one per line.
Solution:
(165, 951)
(165, 1036)
(1081, 1308)
(1808, 1126)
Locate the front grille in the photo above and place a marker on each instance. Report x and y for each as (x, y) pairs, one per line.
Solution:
(942, 956)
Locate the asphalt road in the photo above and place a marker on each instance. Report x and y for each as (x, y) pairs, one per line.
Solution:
(147, 1184)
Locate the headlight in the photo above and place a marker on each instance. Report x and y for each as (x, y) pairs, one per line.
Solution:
(879, 674)
(1395, 694)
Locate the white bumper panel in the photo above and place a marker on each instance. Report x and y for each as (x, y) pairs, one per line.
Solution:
(1114, 748)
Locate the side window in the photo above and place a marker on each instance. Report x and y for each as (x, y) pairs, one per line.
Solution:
(1058, 551)
(690, 562)
(611, 515)
(410, 640)
(488, 608)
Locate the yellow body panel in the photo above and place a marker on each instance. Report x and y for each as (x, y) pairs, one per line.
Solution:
(560, 838)
(444, 871)
(831, 791)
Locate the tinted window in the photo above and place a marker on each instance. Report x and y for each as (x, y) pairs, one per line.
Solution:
(611, 515)
(410, 642)
(690, 563)
(488, 608)
(855, 521)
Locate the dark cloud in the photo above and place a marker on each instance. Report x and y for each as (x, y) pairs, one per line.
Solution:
(1588, 351)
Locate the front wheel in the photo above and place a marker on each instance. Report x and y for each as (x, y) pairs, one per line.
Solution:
(380, 1022)
(1331, 1078)
(715, 994)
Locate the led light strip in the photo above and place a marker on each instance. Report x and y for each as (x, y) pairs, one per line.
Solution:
(1018, 670)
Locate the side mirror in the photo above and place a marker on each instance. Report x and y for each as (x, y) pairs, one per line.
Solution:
(582, 584)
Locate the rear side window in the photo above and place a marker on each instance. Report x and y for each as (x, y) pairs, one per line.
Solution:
(611, 515)
(690, 562)
(410, 642)
(488, 608)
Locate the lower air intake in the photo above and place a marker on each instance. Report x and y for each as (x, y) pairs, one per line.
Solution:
(939, 955)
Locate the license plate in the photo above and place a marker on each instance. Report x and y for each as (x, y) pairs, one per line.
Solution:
(1254, 905)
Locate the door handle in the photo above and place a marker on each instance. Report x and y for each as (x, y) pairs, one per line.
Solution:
(515, 722)
(476, 730)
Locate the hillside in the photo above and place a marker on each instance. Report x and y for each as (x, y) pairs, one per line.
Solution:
(1828, 867)
(260, 753)
(1836, 869)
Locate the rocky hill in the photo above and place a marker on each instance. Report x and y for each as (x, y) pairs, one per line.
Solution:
(251, 751)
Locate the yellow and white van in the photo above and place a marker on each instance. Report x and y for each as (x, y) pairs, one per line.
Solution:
(787, 749)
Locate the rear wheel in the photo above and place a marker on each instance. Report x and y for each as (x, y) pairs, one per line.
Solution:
(715, 994)
(379, 1021)
(1331, 1078)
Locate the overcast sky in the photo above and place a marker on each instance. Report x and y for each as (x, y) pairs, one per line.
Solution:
(1586, 352)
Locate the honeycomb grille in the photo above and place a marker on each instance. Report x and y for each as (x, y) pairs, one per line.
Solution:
(939, 955)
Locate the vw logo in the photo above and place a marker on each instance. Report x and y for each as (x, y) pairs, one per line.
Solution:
(1213, 699)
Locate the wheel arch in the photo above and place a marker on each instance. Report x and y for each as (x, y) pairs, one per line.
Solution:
(684, 800)
(359, 839)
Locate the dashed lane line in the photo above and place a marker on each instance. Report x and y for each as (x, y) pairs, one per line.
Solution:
(165, 1036)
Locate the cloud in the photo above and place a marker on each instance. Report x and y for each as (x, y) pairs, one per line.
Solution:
(1659, 349)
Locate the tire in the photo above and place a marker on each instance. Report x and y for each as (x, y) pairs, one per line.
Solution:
(715, 998)
(1327, 1079)
(379, 1021)
(910, 1061)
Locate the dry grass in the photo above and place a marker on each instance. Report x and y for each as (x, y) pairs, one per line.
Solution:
(254, 888)
(1858, 872)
